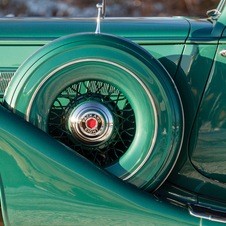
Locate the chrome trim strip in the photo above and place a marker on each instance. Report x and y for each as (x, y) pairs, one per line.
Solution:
(140, 41)
(99, 7)
(104, 120)
(208, 217)
(7, 70)
(125, 69)
(223, 53)
(56, 19)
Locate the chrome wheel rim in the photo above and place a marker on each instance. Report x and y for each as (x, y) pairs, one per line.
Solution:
(114, 131)
(91, 123)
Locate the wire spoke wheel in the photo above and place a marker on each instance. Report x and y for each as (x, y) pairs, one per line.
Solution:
(107, 99)
(113, 146)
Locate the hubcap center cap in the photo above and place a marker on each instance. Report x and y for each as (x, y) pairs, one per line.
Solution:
(91, 123)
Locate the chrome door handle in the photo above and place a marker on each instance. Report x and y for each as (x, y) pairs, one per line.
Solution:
(223, 53)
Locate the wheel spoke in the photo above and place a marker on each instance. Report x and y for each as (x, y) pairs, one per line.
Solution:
(124, 120)
(126, 131)
(120, 137)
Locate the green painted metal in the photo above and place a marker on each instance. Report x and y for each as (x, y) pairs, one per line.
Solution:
(130, 69)
(175, 193)
(168, 55)
(191, 79)
(191, 88)
(205, 222)
(208, 136)
(221, 22)
(188, 197)
(16, 31)
(223, 40)
(45, 183)
(187, 177)
(211, 203)
(204, 31)
(37, 169)
(13, 56)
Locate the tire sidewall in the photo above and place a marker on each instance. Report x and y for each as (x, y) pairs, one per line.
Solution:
(159, 147)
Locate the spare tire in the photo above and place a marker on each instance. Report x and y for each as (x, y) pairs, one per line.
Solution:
(106, 98)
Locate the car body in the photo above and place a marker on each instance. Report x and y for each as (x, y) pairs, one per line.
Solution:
(143, 99)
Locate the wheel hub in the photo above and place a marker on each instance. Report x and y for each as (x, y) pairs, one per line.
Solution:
(91, 123)
(94, 119)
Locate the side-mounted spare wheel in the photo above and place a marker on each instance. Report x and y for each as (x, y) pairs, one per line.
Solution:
(107, 99)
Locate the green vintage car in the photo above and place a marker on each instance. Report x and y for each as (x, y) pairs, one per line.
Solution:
(113, 121)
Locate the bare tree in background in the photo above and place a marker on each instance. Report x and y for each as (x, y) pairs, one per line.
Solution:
(85, 8)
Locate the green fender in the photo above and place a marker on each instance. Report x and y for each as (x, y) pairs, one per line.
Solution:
(124, 65)
(42, 182)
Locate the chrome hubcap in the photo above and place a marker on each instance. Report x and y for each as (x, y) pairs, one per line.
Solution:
(91, 123)
(94, 119)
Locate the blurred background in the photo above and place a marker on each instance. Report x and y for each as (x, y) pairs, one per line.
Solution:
(115, 8)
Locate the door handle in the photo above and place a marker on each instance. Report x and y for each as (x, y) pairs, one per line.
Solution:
(223, 53)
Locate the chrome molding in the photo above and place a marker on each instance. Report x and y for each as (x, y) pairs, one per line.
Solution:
(213, 14)
(123, 68)
(82, 114)
(207, 213)
(223, 53)
(101, 13)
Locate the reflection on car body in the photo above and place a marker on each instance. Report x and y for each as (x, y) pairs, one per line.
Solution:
(125, 125)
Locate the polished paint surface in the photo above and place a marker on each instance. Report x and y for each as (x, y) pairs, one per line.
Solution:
(185, 174)
(168, 55)
(18, 30)
(142, 79)
(12, 57)
(46, 183)
(207, 148)
(186, 196)
(37, 169)
(204, 31)
(191, 78)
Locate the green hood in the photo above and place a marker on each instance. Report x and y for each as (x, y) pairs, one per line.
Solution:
(141, 30)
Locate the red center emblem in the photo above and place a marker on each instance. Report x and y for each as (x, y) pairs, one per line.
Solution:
(91, 123)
